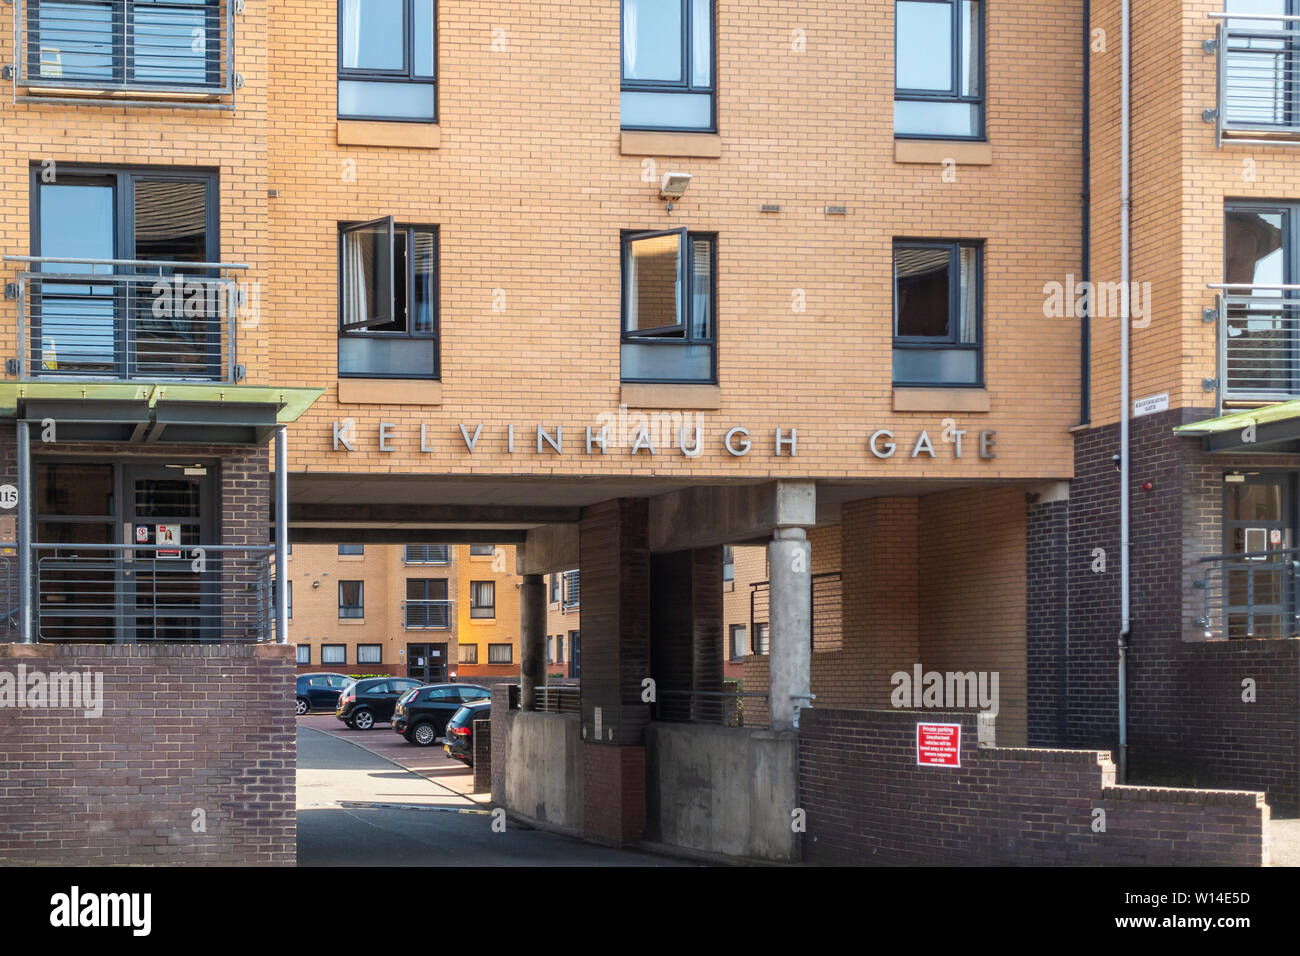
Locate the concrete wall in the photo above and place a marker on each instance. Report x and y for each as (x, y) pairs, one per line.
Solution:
(725, 790)
(182, 729)
(542, 778)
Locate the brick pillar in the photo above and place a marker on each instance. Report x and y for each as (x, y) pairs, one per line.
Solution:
(686, 629)
(1047, 621)
(880, 591)
(614, 559)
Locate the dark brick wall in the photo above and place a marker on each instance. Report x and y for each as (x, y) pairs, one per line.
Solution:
(613, 796)
(482, 756)
(686, 631)
(868, 802)
(1187, 722)
(1046, 618)
(182, 728)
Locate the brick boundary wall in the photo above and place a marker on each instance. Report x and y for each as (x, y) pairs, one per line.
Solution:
(868, 802)
(482, 756)
(183, 727)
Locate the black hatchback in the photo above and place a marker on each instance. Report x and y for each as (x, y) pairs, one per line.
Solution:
(319, 691)
(460, 730)
(422, 715)
(371, 701)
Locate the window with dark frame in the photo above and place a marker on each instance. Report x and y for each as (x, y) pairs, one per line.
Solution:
(426, 603)
(939, 69)
(550, 649)
(559, 648)
(369, 653)
(387, 60)
(304, 653)
(388, 300)
(738, 647)
(352, 599)
(501, 654)
(334, 654)
(555, 588)
(762, 639)
(728, 564)
(352, 549)
(937, 313)
(482, 599)
(482, 550)
(467, 653)
(668, 65)
(669, 307)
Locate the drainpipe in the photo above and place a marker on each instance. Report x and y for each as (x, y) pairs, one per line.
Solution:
(1126, 205)
(281, 536)
(26, 633)
(1085, 225)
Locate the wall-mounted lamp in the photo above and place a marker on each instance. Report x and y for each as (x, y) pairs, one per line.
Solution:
(673, 186)
(315, 584)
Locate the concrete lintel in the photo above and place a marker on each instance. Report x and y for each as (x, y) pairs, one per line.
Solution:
(1049, 491)
(549, 549)
(706, 515)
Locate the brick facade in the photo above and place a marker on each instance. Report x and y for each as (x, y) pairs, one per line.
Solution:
(183, 729)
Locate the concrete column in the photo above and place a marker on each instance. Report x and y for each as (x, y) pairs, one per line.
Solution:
(532, 638)
(790, 660)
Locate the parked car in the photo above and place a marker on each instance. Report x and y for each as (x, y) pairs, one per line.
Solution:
(421, 716)
(320, 691)
(372, 700)
(460, 730)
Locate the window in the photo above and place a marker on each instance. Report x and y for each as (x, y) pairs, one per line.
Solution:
(427, 554)
(550, 649)
(572, 583)
(555, 589)
(937, 294)
(304, 653)
(427, 604)
(386, 60)
(668, 65)
(1261, 251)
(501, 653)
(369, 654)
(102, 45)
(482, 599)
(1259, 63)
(728, 564)
(117, 329)
(467, 653)
(352, 549)
(388, 298)
(288, 597)
(762, 641)
(559, 648)
(334, 654)
(575, 654)
(939, 69)
(668, 307)
(737, 649)
(482, 550)
(352, 599)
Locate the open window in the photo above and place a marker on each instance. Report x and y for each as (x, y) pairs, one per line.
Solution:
(937, 293)
(388, 295)
(668, 305)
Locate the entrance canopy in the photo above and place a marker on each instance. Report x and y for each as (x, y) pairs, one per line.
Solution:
(1274, 429)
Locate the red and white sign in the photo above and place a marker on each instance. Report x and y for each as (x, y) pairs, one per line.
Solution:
(938, 745)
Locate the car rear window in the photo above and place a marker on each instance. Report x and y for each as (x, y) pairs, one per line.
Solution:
(462, 717)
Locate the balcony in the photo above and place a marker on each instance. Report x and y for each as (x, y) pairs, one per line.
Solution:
(426, 554)
(1250, 595)
(426, 615)
(1258, 342)
(570, 591)
(1257, 76)
(125, 320)
(174, 53)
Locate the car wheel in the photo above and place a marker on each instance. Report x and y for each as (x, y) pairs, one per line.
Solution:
(424, 735)
(302, 707)
(363, 720)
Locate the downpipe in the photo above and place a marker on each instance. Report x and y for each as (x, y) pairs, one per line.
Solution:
(1126, 206)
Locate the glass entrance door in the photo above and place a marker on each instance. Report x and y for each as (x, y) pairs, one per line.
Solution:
(1259, 585)
(427, 662)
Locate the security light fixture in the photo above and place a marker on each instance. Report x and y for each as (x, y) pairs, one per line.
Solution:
(673, 187)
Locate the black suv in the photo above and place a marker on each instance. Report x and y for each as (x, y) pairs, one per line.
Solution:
(371, 701)
(319, 691)
(460, 730)
(422, 714)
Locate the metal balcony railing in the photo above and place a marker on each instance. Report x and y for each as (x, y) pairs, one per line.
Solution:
(126, 320)
(1258, 342)
(172, 53)
(730, 708)
(1257, 76)
(1250, 595)
(827, 628)
(570, 591)
(427, 554)
(112, 593)
(427, 615)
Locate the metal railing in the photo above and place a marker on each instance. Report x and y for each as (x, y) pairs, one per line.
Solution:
(126, 320)
(1258, 342)
(1257, 77)
(570, 590)
(827, 629)
(727, 707)
(559, 699)
(1250, 595)
(426, 615)
(113, 593)
(9, 630)
(173, 54)
(426, 554)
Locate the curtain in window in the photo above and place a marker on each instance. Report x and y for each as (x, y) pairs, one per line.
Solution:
(351, 27)
(966, 321)
(357, 265)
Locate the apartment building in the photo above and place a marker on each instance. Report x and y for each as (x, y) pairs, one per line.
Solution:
(563, 620)
(433, 611)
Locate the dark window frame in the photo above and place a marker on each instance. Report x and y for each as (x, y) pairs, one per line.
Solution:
(435, 334)
(332, 647)
(932, 96)
(481, 607)
(683, 85)
(379, 659)
(731, 641)
(406, 74)
(626, 237)
(460, 654)
(360, 606)
(351, 553)
(489, 553)
(300, 649)
(949, 341)
(509, 647)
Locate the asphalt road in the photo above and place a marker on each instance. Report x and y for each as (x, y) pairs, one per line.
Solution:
(357, 809)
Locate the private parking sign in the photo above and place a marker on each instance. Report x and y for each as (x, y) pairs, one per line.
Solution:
(938, 745)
